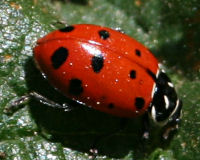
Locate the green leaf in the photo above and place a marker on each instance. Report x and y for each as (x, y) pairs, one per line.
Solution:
(169, 28)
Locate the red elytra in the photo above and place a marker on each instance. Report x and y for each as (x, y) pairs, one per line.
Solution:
(99, 66)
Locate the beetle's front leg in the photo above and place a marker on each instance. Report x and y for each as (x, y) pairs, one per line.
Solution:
(146, 126)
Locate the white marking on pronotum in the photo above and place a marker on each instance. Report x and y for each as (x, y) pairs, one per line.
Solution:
(166, 102)
(153, 90)
(170, 84)
(159, 65)
(154, 85)
(158, 71)
(162, 70)
(177, 105)
(153, 113)
(153, 116)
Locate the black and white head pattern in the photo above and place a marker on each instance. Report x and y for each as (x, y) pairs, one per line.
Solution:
(165, 105)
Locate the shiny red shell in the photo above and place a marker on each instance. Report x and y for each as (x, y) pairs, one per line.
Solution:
(98, 66)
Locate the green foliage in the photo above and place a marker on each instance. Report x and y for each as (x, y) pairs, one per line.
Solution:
(169, 28)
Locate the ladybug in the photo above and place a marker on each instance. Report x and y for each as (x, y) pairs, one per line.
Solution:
(109, 71)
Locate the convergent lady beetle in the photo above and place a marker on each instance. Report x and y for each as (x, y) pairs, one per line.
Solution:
(107, 70)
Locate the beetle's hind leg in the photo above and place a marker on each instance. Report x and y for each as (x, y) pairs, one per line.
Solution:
(17, 104)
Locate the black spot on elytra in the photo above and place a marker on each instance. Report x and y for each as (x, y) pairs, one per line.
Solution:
(67, 29)
(59, 57)
(97, 63)
(139, 102)
(132, 74)
(137, 52)
(75, 87)
(104, 34)
(111, 106)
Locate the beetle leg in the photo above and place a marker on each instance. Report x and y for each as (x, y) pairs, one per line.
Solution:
(168, 130)
(146, 126)
(93, 153)
(24, 99)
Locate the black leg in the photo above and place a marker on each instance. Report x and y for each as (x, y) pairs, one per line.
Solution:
(146, 126)
(24, 99)
(169, 130)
